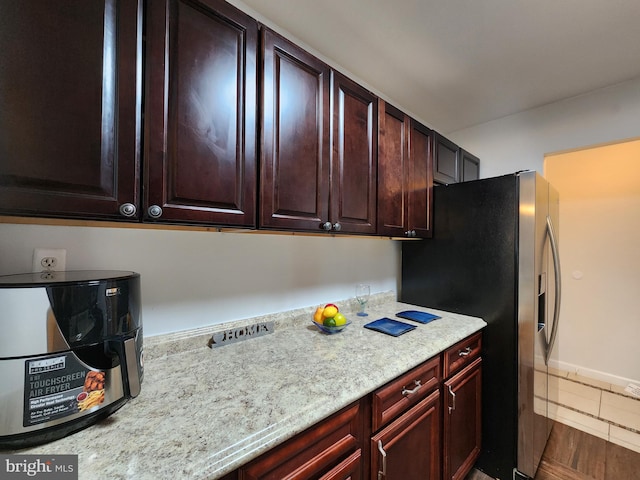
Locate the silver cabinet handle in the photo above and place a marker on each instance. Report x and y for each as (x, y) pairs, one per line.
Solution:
(465, 352)
(326, 226)
(382, 473)
(453, 405)
(417, 387)
(154, 211)
(127, 209)
(337, 227)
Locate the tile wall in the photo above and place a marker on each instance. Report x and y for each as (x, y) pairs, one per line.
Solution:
(599, 408)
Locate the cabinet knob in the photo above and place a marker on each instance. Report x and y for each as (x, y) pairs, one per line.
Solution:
(337, 227)
(154, 211)
(127, 209)
(326, 226)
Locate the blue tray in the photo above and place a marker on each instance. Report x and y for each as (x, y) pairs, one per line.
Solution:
(389, 326)
(416, 316)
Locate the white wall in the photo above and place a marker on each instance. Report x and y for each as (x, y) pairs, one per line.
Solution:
(596, 345)
(520, 141)
(192, 278)
(600, 234)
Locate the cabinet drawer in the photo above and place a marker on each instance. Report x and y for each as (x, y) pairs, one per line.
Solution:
(461, 354)
(403, 392)
(349, 469)
(328, 448)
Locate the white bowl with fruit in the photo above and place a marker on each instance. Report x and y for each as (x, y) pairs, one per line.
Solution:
(329, 319)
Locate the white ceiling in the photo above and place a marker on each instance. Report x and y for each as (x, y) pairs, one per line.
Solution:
(458, 63)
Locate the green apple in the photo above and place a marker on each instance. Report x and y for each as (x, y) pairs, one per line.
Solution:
(340, 319)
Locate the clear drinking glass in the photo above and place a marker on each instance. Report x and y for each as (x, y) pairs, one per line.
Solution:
(362, 295)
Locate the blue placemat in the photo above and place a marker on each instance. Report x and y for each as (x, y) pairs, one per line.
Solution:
(389, 326)
(416, 316)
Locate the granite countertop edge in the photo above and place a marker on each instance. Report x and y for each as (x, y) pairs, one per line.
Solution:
(203, 412)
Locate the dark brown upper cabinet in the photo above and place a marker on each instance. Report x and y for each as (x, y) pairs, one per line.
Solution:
(70, 126)
(393, 163)
(294, 174)
(318, 162)
(405, 174)
(470, 166)
(446, 160)
(354, 157)
(420, 182)
(453, 164)
(200, 113)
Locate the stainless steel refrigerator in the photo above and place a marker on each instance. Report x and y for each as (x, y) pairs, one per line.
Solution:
(494, 254)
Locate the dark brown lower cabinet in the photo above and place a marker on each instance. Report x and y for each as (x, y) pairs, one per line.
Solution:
(349, 469)
(413, 427)
(462, 421)
(409, 447)
(328, 450)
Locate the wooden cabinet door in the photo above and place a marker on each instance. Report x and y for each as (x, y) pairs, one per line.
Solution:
(200, 115)
(405, 175)
(393, 145)
(409, 448)
(70, 76)
(470, 166)
(294, 174)
(420, 181)
(446, 164)
(355, 157)
(462, 421)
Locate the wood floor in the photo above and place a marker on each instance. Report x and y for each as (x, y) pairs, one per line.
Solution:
(574, 455)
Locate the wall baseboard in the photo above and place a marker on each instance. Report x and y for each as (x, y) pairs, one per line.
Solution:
(594, 374)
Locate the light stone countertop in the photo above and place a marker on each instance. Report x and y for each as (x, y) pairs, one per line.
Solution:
(204, 412)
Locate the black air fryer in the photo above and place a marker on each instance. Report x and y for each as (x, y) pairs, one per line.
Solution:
(70, 351)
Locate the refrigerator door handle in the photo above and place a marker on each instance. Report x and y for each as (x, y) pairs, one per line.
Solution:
(556, 306)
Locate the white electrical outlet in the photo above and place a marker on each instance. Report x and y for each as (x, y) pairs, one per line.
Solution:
(49, 259)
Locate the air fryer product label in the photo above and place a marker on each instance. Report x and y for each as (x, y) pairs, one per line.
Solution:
(59, 386)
